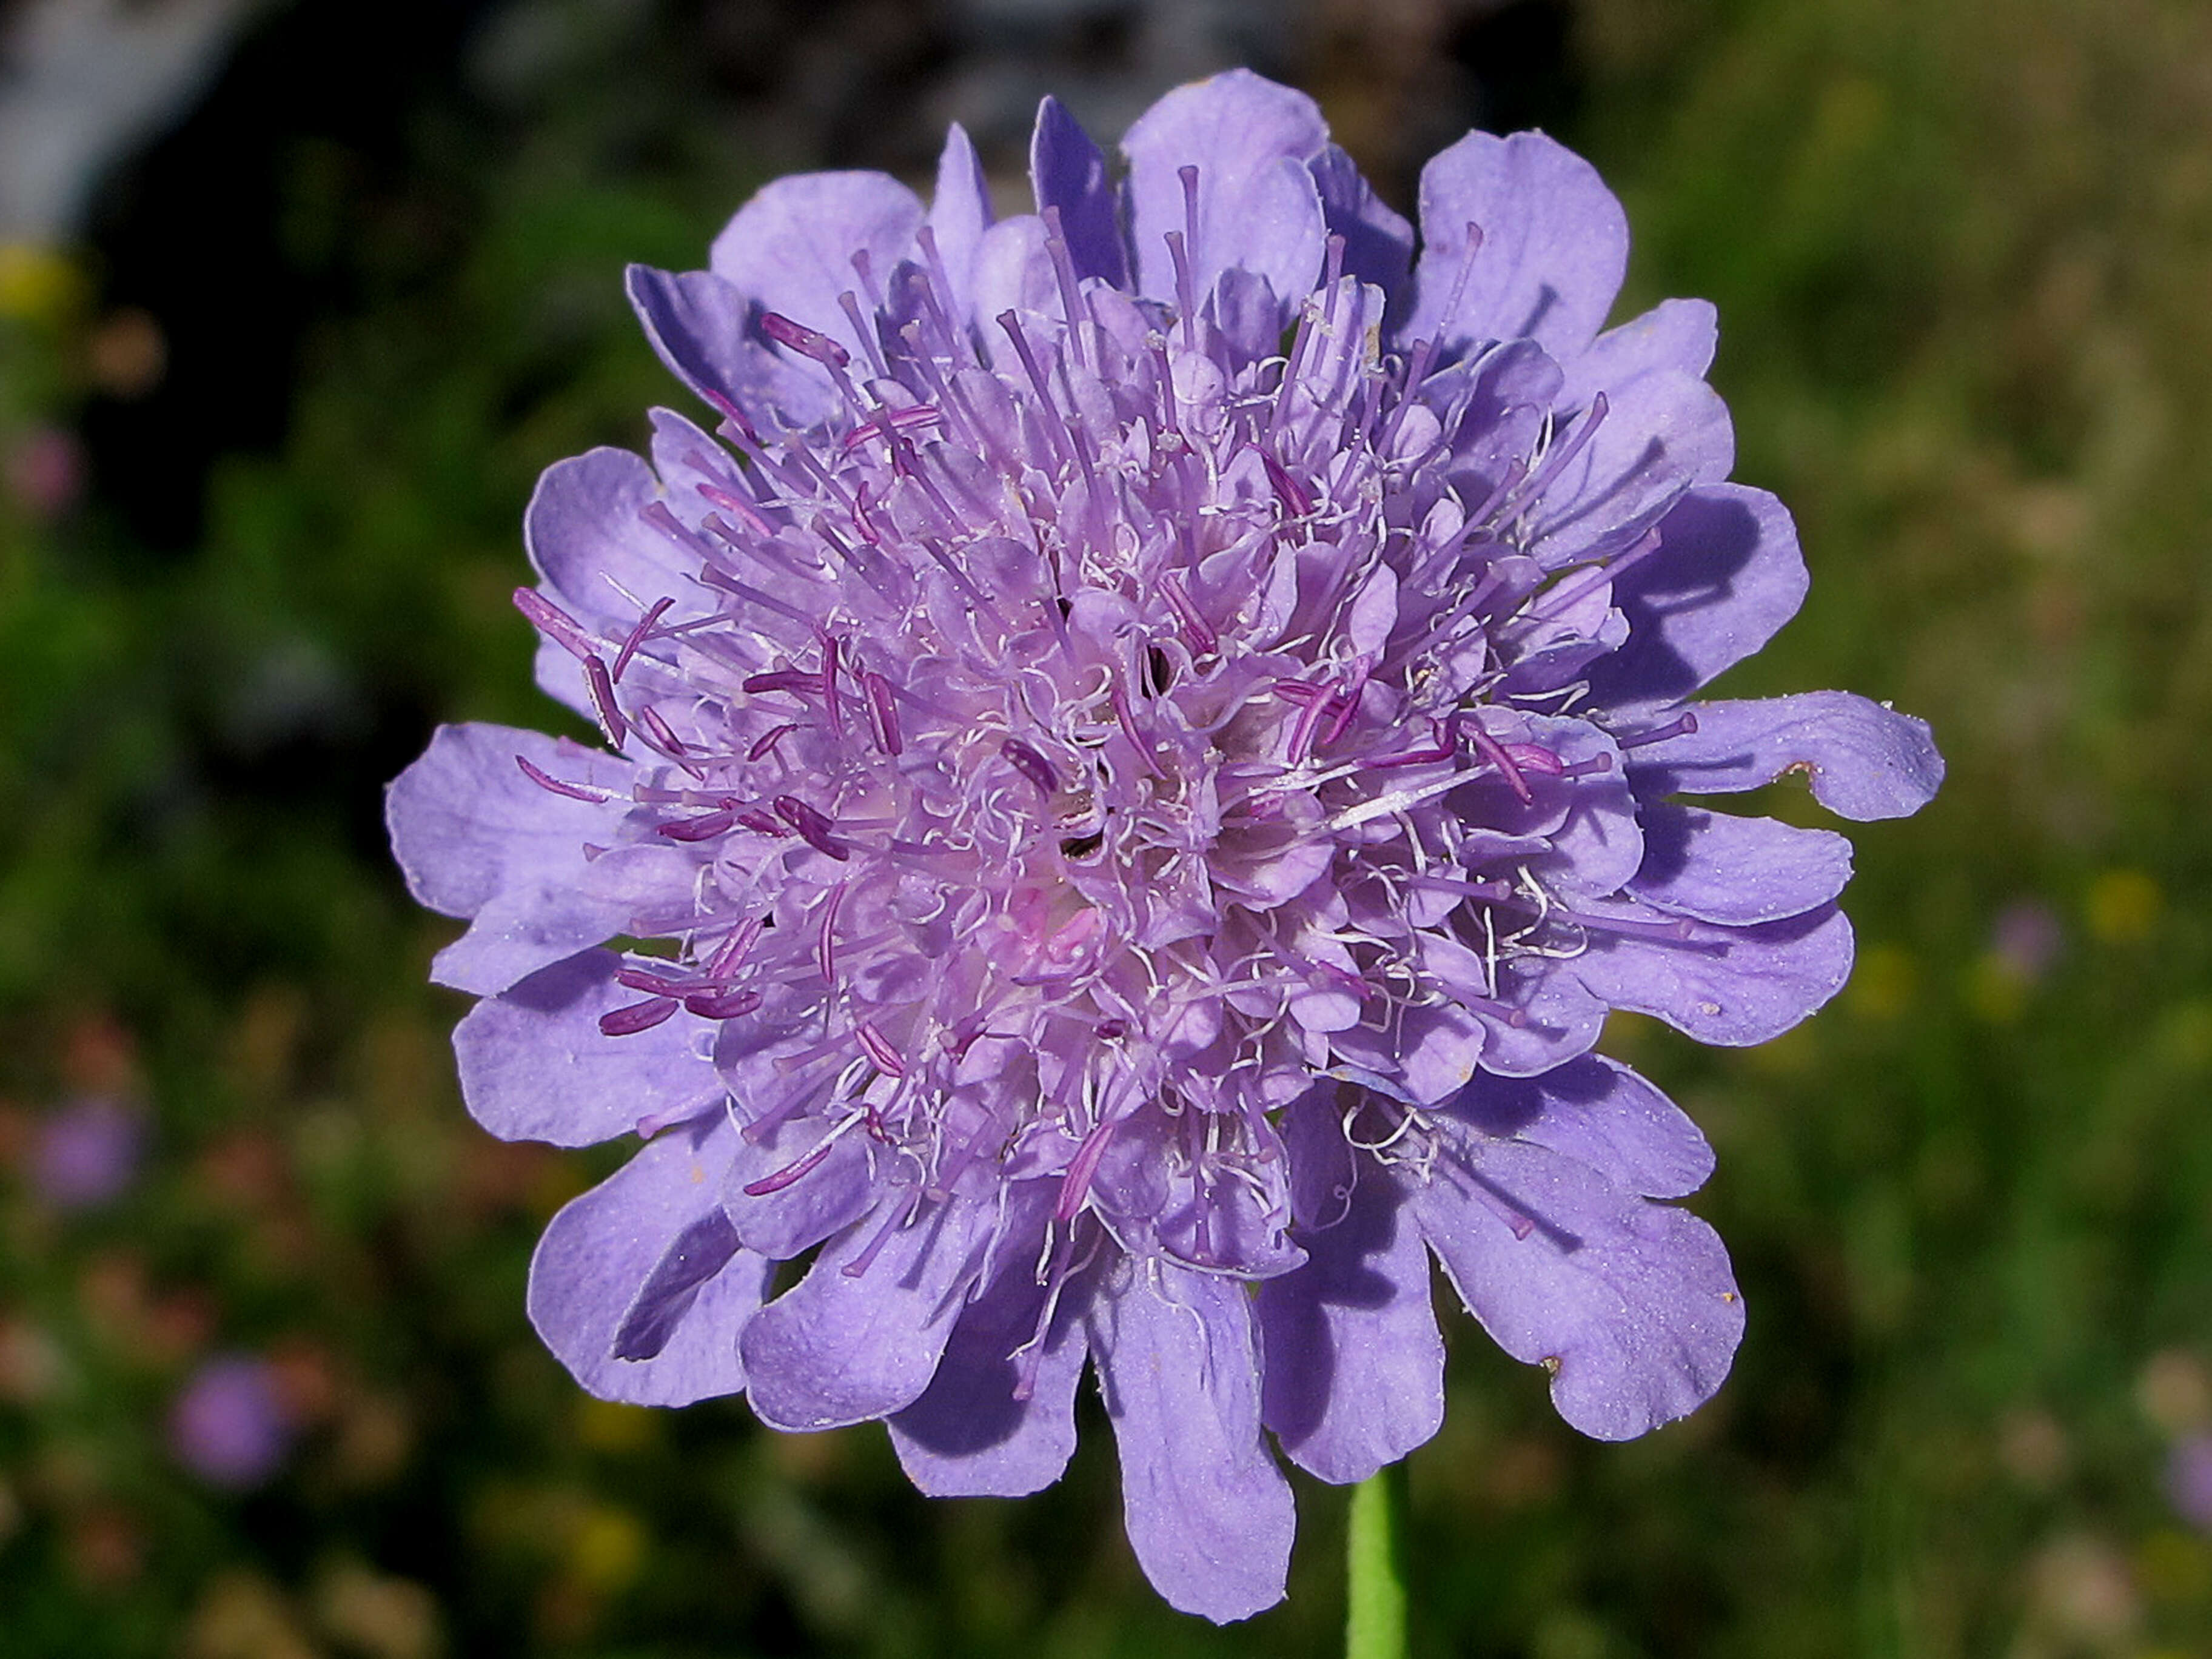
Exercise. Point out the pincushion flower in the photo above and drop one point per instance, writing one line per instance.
(1139, 755)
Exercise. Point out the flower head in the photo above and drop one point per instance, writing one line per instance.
(1141, 753)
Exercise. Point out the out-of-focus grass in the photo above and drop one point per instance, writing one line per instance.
(1961, 253)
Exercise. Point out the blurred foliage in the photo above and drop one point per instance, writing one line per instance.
(1960, 253)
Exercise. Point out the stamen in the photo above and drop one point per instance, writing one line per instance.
(829, 697)
(825, 942)
(1071, 294)
(1495, 753)
(1202, 638)
(1681, 726)
(805, 1165)
(783, 679)
(882, 712)
(601, 685)
(555, 624)
(573, 791)
(1031, 765)
(879, 1048)
(629, 1020)
(806, 342)
(1567, 592)
(1120, 699)
(862, 332)
(699, 828)
(1541, 480)
(768, 739)
(1075, 1184)
(1295, 494)
(727, 1005)
(637, 636)
(812, 827)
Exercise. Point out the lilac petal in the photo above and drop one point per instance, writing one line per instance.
(790, 250)
(1208, 1512)
(1676, 335)
(1378, 243)
(1731, 986)
(1067, 171)
(1012, 272)
(700, 1252)
(1863, 759)
(1630, 1304)
(535, 1065)
(467, 823)
(587, 537)
(1725, 869)
(1727, 575)
(1561, 1018)
(604, 1248)
(697, 323)
(547, 914)
(1554, 244)
(959, 213)
(1663, 431)
(1258, 206)
(842, 1347)
(1599, 1113)
(1354, 1362)
(968, 1435)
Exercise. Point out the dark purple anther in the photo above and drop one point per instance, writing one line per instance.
(638, 636)
(726, 1005)
(1201, 637)
(783, 679)
(1030, 764)
(784, 1176)
(881, 1055)
(633, 1017)
(1111, 1031)
(703, 827)
(768, 739)
(555, 624)
(1493, 751)
(748, 515)
(1443, 745)
(812, 827)
(754, 819)
(882, 711)
(602, 686)
(1294, 493)
(806, 342)
(573, 791)
(890, 422)
(653, 985)
(663, 736)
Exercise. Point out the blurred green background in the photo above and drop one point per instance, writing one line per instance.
(271, 404)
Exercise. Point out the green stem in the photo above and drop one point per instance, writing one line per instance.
(1374, 1624)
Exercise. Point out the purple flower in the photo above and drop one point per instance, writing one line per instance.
(88, 1153)
(2189, 1479)
(1144, 750)
(230, 1427)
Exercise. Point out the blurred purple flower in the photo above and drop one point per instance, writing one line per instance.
(2026, 939)
(88, 1153)
(1152, 759)
(2189, 1479)
(230, 1425)
(46, 471)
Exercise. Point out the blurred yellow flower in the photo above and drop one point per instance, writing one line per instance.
(38, 283)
